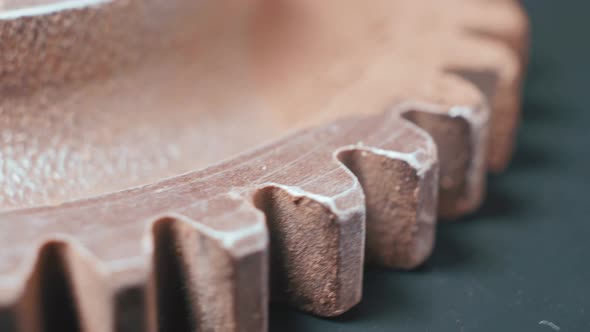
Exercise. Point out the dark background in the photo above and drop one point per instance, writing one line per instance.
(521, 263)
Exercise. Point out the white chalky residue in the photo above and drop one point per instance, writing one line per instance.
(477, 117)
(229, 237)
(327, 201)
(46, 9)
(461, 111)
(410, 158)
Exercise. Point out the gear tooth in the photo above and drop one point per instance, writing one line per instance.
(65, 290)
(456, 115)
(502, 20)
(400, 204)
(497, 72)
(230, 293)
(93, 293)
(315, 213)
(396, 165)
(316, 251)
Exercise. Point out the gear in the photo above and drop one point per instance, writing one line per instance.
(129, 187)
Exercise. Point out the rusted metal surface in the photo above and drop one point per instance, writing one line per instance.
(112, 113)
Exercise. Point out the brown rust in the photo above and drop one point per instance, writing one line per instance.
(104, 104)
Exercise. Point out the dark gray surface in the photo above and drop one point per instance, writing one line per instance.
(521, 263)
